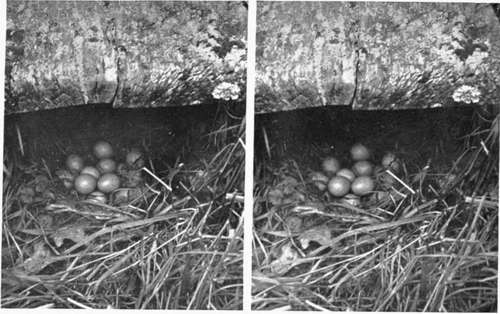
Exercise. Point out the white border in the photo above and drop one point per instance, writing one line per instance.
(3, 34)
(250, 113)
(248, 205)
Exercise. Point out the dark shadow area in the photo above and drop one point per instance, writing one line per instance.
(312, 134)
(166, 133)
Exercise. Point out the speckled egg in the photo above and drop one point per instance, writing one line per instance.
(108, 182)
(338, 186)
(330, 165)
(360, 152)
(103, 149)
(135, 158)
(97, 197)
(351, 199)
(106, 165)
(346, 173)
(363, 185)
(85, 184)
(319, 180)
(390, 161)
(74, 163)
(91, 171)
(363, 168)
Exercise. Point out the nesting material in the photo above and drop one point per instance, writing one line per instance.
(420, 236)
(140, 235)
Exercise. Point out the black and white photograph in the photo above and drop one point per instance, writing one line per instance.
(249, 156)
(376, 157)
(124, 150)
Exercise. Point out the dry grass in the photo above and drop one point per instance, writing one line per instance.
(178, 245)
(432, 250)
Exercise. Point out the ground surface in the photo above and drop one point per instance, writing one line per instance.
(428, 245)
(176, 243)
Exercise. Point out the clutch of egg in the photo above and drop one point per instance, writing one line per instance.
(103, 178)
(351, 183)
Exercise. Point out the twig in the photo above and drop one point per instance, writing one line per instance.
(400, 181)
(157, 179)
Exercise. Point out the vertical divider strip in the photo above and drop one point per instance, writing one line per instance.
(250, 111)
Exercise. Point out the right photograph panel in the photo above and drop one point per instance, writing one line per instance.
(376, 157)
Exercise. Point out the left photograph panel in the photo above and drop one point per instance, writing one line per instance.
(123, 166)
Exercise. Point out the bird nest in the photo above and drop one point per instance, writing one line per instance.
(427, 240)
(175, 243)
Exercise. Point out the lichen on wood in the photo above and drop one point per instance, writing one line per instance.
(305, 54)
(134, 54)
(376, 55)
(417, 55)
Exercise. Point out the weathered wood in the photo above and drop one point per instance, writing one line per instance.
(376, 55)
(419, 55)
(135, 54)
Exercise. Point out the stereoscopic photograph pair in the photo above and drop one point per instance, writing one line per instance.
(374, 134)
